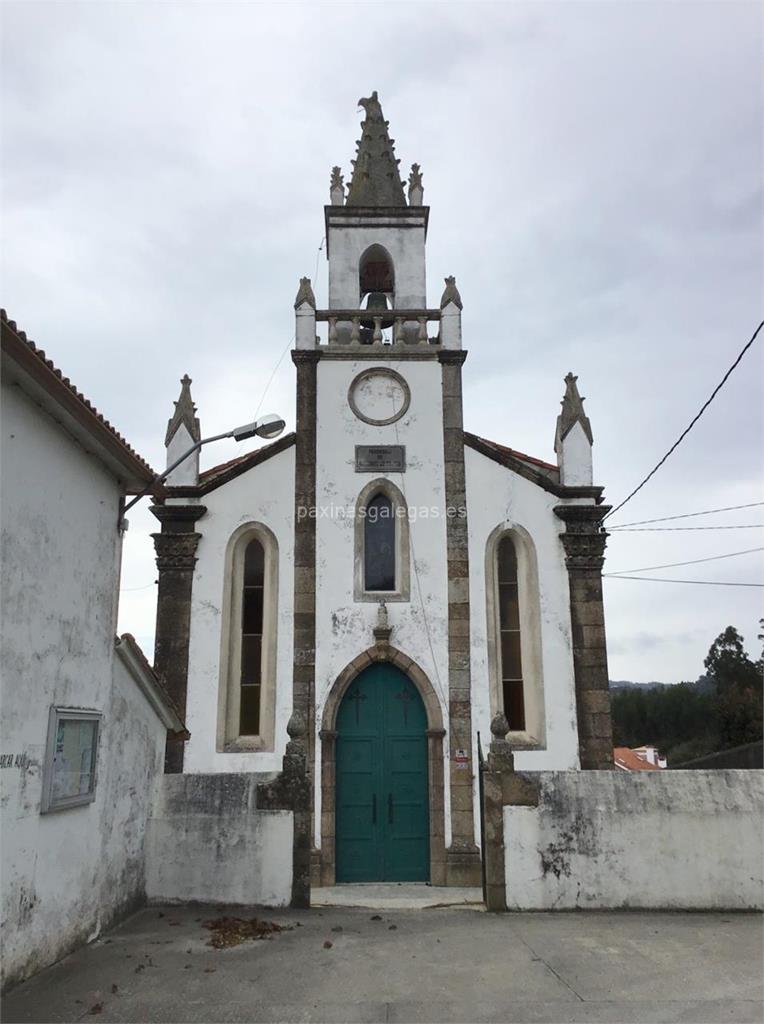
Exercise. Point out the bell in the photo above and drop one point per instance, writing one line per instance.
(377, 301)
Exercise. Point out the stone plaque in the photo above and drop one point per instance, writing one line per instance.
(382, 458)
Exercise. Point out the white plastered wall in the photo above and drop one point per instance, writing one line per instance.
(344, 627)
(406, 246)
(496, 496)
(669, 840)
(69, 873)
(262, 494)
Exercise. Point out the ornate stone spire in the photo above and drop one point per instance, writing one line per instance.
(305, 294)
(185, 413)
(572, 412)
(451, 294)
(416, 190)
(376, 179)
(337, 187)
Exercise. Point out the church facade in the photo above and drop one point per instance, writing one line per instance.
(362, 598)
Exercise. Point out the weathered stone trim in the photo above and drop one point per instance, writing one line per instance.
(584, 542)
(402, 592)
(523, 469)
(304, 661)
(324, 862)
(502, 786)
(292, 791)
(462, 858)
(176, 557)
(218, 476)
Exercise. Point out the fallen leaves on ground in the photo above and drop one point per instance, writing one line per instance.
(231, 931)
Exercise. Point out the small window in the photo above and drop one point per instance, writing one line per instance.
(509, 626)
(69, 774)
(379, 545)
(252, 599)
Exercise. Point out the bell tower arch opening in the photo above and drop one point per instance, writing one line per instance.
(376, 278)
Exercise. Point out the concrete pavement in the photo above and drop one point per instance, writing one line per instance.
(439, 964)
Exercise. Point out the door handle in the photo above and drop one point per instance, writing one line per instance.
(390, 808)
(374, 809)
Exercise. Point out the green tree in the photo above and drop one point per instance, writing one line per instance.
(739, 697)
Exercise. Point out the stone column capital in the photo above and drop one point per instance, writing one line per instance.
(176, 551)
(584, 539)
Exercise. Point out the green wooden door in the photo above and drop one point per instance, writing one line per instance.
(382, 819)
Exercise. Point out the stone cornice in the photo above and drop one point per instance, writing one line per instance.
(455, 356)
(178, 518)
(303, 356)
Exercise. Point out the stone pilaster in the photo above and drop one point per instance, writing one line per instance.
(176, 557)
(304, 667)
(291, 791)
(584, 541)
(462, 857)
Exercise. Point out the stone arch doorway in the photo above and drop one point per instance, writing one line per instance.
(434, 733)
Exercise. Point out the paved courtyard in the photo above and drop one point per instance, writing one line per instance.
(434, 964)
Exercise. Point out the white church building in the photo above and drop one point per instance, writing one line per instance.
(357, 601)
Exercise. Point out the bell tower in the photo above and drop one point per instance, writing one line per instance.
(375, 239)
(379, 418)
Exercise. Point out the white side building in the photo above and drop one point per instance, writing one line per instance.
(83, 727)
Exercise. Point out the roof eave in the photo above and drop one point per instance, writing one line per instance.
(23, 367)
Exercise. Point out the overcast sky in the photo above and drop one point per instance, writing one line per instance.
(594, 173)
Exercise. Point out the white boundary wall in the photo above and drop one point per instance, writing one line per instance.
(208, 842)
(673, 840)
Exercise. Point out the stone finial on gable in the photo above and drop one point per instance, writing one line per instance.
(572, 411)
(305, 294)
(305, 316)
(573, 438)
(416, 189)
(337, 188)
(185, 414)
(451, 294)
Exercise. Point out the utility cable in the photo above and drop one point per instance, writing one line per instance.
(441, 691)
(695, 419)
(694, 561)
(674, 529)
(686, 515)
(701, 583)
(289, 343)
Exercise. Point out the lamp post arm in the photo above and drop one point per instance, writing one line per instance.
(160, 478)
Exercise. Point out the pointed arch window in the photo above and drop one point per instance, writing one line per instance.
(246, 707)
(382, 561)
(251, 671)
(509, 628)
(514, 635)
(379, 545)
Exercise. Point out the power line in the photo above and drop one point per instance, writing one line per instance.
(686, 515)
(695, 419)
(673, 529)
(694, 561)
(700, 583)
(289, 343)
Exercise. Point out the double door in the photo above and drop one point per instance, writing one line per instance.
(382, 819)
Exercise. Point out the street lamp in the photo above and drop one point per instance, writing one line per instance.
(269, 426)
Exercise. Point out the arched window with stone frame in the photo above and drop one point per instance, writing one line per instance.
(382, 561)
(247, 691)
(514, 635)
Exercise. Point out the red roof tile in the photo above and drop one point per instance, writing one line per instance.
(630, 761)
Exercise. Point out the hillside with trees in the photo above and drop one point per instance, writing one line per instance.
(723, 708)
